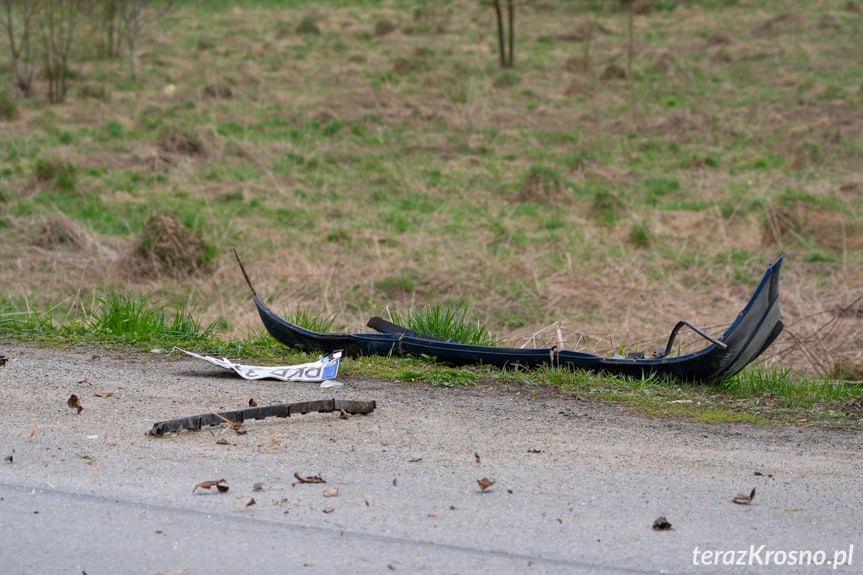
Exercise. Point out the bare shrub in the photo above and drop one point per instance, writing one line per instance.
(18, 21)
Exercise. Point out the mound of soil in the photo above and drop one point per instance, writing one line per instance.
(167, 247)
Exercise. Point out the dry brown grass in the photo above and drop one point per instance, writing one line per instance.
(518, 272)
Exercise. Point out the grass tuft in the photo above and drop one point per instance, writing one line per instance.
(448, 324)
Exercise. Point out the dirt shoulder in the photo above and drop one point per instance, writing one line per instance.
(577, 484)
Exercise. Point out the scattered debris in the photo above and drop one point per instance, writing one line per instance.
(251, 502)
(661, 524)
(8, 458)
(32, 433)
(329, 510)
(3, 360)
(485, 483)
(73, 403)
(196, 422)
(395, 481)
(309, 479)
(259, 486)
(476, 455)
(104, 393)
(331, 492)
(218, 484)
(415, 460)
(222, 441)
(252, 402)
(343, 414)
(326, 368)
(744, 499)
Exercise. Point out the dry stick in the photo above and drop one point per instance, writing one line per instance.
(532, 338)
(245, 275)
(807, 352)
(78, 291)
(833, 323)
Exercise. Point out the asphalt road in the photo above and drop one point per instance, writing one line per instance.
(577, 485)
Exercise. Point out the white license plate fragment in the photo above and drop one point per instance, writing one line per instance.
(324, 370)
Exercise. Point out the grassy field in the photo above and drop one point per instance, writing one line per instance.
(387, 161)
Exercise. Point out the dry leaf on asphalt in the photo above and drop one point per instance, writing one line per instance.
(251, 502)
(208, 484)
(661, 524)
(331, 492)
(273, 444)
(485, 483)
(221, 442)
(8, 458)
(73, 403)
(253, 403)
(309, 479)
(104, 393)
(743, 499)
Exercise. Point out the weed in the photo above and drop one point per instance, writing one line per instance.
(61, 174)
(446, 323)
(304, 318)
(307, 27)
(8, 108)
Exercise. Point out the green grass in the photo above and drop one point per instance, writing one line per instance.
(756, 395)
(406, 169)
(446, 323)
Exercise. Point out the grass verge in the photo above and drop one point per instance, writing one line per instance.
(756, 395)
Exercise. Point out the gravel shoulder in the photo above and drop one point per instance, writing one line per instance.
(577, 488)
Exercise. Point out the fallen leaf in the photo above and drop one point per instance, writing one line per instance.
(309, 479)
(8, 458)
(221, 442)
(273, 444)
(661, 524)
(222, 488)
(104, 393)
(32, 433)
(485, 483)
(802, 420)
(93, 464)
(330, 510)
(251, 502)
(240, 430)
(432, 515)
(743, 499)
(208, 484)
(253, 403)
(73, 403)
(476, 455)
(331, 492)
